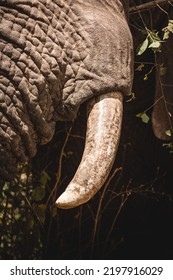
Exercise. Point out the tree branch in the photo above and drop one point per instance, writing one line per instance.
(150, 5)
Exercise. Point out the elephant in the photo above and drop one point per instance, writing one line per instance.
(130, 216)
(55, 56)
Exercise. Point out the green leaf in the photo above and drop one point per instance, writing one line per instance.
(168, 146)
(5, 187)
(168, 133)
(155, 41)
(142, 48)
(144, 117)
(145, 77)
(38, 193)
(140, 67)
(167, 30)
(155, 45)
(131, 97)
(17, 216)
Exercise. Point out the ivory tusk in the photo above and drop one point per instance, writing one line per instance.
(102, 139)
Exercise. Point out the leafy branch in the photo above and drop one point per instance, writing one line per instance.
(147, 6)
(168, 30)
(152, 41)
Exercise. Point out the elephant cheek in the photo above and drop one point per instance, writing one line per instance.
(102, 138)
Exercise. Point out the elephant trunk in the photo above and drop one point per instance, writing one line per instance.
(102, 138)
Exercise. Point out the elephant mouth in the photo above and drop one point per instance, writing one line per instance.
(102, 139)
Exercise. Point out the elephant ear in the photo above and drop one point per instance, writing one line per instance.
(163, 109)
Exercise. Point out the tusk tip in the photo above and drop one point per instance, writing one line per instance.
(73, 196)
(67, 200)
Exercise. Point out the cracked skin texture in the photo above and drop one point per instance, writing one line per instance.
(55, 55)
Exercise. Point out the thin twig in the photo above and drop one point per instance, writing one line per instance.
(77, 136)
(97, 218)
(150, 5)
(124, 198)
(58, 174)
(33, 210)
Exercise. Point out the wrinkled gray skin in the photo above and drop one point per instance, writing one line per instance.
(55, 55)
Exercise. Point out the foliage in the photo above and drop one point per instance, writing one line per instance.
(168, 133)
(152, 41)
(144, 117)
(169, 146)
(130, 97)
(22, 216)
(168, 30)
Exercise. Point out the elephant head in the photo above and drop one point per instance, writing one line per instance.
(54, 56)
